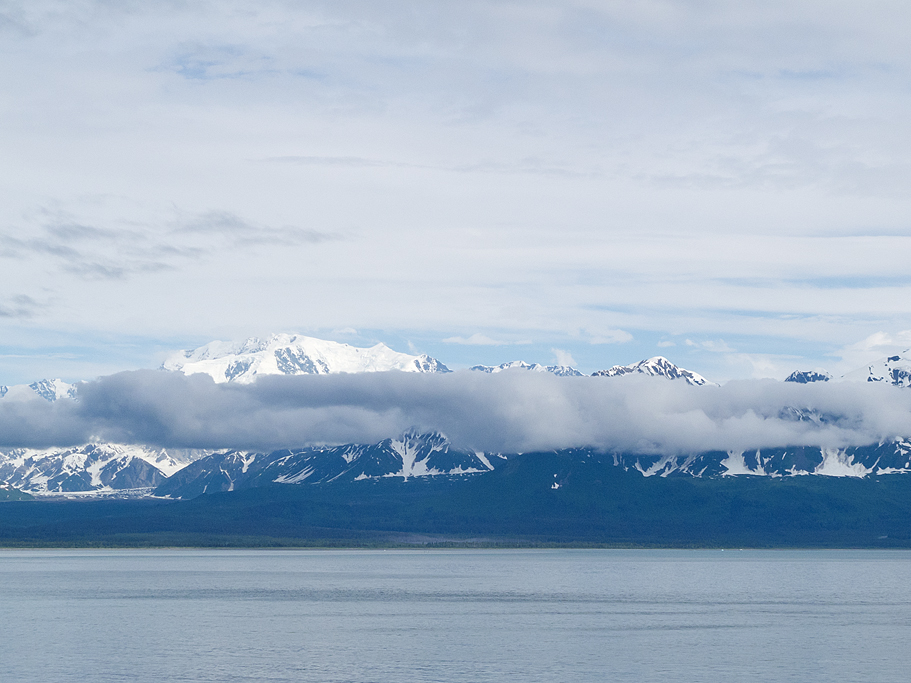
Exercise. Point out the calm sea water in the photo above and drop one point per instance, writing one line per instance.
(460, 615)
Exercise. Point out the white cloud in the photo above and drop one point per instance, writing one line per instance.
(713, 346)
(766, 366)
(666, 344)
(609, 337)
(871, 348)
(505, 412)
(563, 357)
(478, 339)
(883, 342)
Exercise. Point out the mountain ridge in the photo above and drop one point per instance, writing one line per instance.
(292, 354)
(656, 366)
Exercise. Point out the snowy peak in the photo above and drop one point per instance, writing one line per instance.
(411, 455)
(104, 467)
(659, 366)
(419, 454)
(559, 370)
(288, 354)
(894, 370)
(889, 457)
(808, 376)
(91, 468)
(53, 389)
(49, 389)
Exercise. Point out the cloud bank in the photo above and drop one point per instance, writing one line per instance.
(504, 412)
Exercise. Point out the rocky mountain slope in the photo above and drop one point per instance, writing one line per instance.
(48, 389)
(416, 455)
(658, 366)
(895, 370)
(92, 468)
(406, 457)
(559, 370)
(104, 468)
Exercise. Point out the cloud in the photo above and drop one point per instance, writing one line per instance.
(350, 162)
(665, 344)
(115, 253)
(870, 348)
(240, 232)
(883, 342)
(505, 412)
(531, 169)
(478, 339)
(563, 357)
(719, 346)
(526, 166)
(19, 306)
(217, 62)
(609, 337)
(93, 252)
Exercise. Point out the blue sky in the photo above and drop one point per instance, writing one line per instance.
(724, 184)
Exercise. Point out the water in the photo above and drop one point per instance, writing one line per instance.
(455, 615)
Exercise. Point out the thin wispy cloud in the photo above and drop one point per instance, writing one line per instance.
(479, 339)
(529, 165)
(563, 357)
(230, 227)
(19, 306)
(106, 253)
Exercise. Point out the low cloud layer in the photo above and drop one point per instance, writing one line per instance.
(505, 412)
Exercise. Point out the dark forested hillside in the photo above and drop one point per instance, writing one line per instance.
(537, 498)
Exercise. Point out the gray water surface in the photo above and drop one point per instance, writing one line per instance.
(455, 615)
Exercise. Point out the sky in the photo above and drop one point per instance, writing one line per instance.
(589, 183)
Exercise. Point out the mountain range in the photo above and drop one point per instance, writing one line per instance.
(124, 469)
(107, 469)
(292, 354)
(431, 455)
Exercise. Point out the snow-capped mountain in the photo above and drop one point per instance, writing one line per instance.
(891, 457)
(96, 468)
(808, 376)
(408, 456)
(48, 389)
(559, 370)
(418, 456)
(288, 354)
(108, 469)
(659, 366)
(895, 370)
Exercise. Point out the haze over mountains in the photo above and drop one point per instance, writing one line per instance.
(813, 437)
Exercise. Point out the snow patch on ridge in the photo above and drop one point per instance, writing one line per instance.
(836, 463)
(735, 465)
